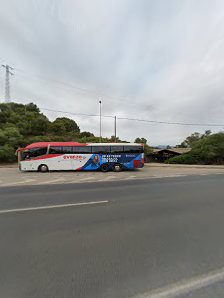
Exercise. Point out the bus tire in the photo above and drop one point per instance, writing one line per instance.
(117, 167)
(104, 168)
(43, 168)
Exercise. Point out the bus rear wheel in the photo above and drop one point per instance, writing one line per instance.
(104, 168)
(117, 167)
(43, 168)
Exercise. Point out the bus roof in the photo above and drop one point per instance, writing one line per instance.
(114, 144)
(60, 144)
(45, 144)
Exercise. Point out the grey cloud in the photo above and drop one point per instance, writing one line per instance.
(160, 60)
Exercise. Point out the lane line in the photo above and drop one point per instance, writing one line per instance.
(52, 207)
(186, 286)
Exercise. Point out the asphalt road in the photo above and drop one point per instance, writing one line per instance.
(145, 238)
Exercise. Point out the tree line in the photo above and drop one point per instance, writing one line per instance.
(207, 148)
(22, 124)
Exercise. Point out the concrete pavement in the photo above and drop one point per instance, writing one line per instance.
(146, 236)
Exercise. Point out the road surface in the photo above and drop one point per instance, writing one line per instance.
(145, 238)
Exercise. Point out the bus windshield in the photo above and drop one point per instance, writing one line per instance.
(32, 153)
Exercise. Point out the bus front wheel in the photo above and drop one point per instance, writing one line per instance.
(43, 168)
(117, 167)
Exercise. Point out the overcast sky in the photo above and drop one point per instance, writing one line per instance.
(158, 60)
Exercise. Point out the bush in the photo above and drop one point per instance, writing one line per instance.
(208, 150)
(7, 154)
(183, 159)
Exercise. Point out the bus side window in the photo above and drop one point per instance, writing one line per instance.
(100, 149)
(133, 149)
(67, 150)
(81, 149)
(117, 149)
(55, 150)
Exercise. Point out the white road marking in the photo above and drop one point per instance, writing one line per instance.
(52, 207)
(186, 286)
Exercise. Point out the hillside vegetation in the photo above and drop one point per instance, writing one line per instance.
(21, 125)
(206, 149)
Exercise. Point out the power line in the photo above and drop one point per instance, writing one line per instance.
(76, 114)
(94, 115)
(71, 86)
(117, 99)
(172, 123)
(138, 120)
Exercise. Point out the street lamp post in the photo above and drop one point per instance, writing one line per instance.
(115, 128)
(100, 102)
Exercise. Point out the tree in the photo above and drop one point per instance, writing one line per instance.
(31, 107)
(61, 126)
(207, 132)
(208, 150)
(7, 153)
(10, 135)
(27, 118)
(113, 139)
(86, 134)
(191, 140)
(147, 149)
(140, 141)
(21, 125)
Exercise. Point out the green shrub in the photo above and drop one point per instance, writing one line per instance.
(7, 153)
(208, 150)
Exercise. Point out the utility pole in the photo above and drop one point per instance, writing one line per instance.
(100, 102)
(115, 128)
(7, 82)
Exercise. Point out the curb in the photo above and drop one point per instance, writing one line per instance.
(154, 165)
(7, 166)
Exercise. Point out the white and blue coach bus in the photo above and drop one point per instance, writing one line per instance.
(53, 156)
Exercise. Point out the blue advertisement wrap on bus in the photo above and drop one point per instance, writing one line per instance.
(128, 161)
(58, 156)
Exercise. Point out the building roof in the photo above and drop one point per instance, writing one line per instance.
(175, 150)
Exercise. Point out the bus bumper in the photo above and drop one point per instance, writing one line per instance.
(138, 164)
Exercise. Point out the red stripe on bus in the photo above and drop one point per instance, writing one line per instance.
(56, 144)
(79, 169)
(44, 157)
